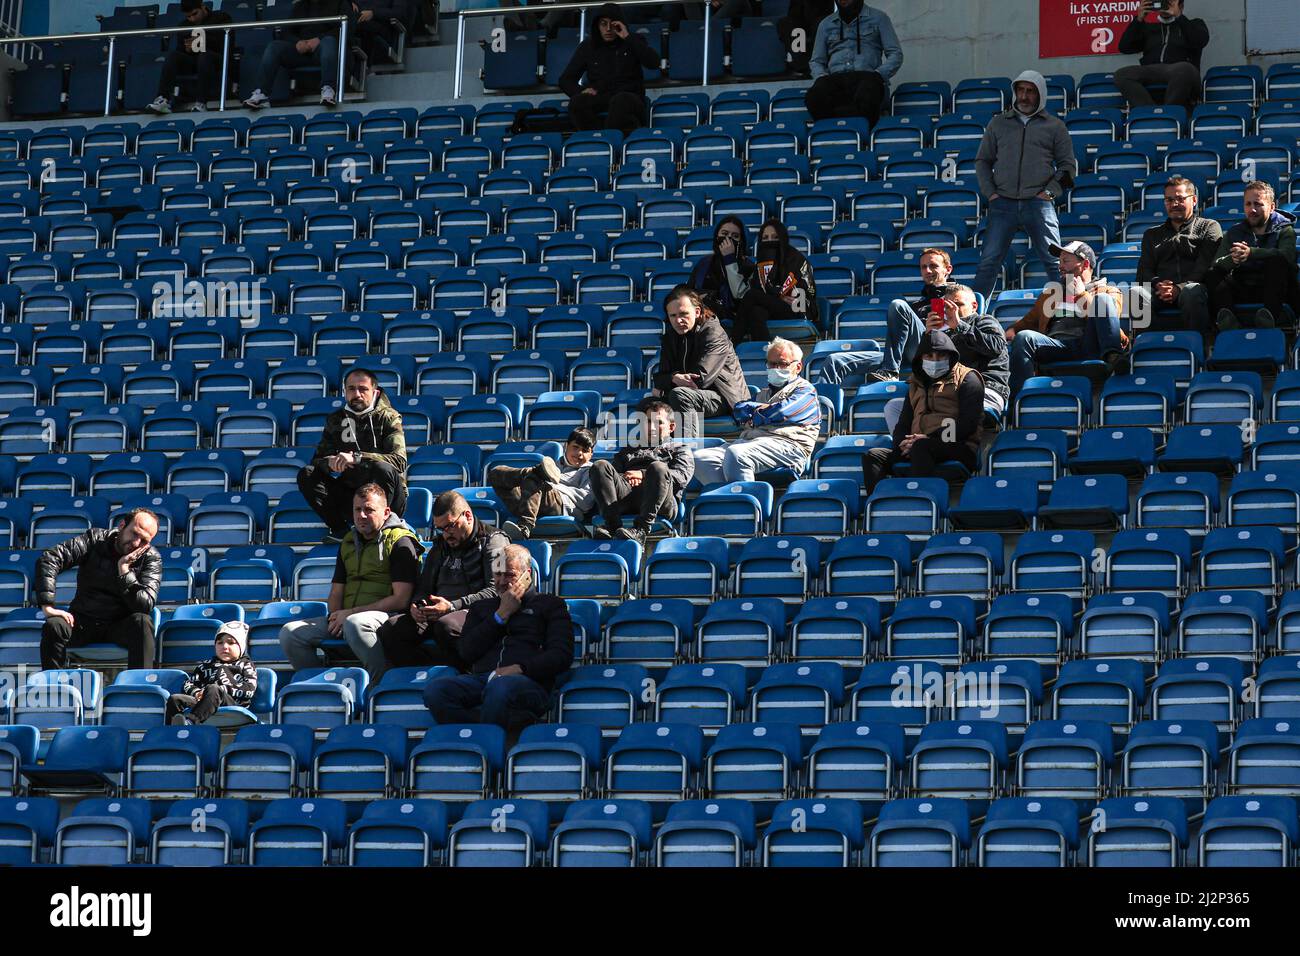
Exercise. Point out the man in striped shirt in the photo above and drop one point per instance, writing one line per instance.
(778, 430)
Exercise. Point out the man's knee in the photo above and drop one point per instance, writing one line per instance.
(604, 468)
(435, 695)
(140, 621)
(683, 399)
(1125, 73)
(657, 468)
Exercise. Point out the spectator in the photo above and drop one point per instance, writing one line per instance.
(644, 479)
(782, 289)
(778, 430)
(612, 59)
(798, 29)
(374, 576)
(1256, 262)
(547, 488)
(1072, 322)
(1171, 54)
(853, 58)
(722, 278)
(904, 329)
(118, 574)
(362, 442)
(229, 679)
(206, 63)
(311, 44)
(1025, 162)
(699, 374)
(1178, 254)
(942, 419)
(515, 643)
(457, 574)
(377, 28)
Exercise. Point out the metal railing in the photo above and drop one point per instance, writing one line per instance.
(225, 29)
(582, 8)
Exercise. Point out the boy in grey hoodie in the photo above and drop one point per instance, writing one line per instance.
(855, 54)
(1025, 162)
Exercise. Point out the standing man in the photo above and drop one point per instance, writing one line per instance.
(362, 442)
(612, 58)
(1171, 54)
(644, 479)
(1178, 254)
(374, 577)
(118, 573)
(1256, 262)
(855, 54)
(205, 62)
(1025, 162)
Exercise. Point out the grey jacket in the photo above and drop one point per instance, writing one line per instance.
(1018, 160)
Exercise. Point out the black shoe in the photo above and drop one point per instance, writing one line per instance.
(632, 534)
(516, 532)
(1226, 320)
(602, 533)
(1264, 320)
(1116, 362)
(180, 720)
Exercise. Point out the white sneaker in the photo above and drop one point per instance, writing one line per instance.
(160, 105)
(257, 100)
(198, 106)
(327, 97)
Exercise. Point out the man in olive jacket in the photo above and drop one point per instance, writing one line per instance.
(699, 373)
(362, 442)
(118, 573)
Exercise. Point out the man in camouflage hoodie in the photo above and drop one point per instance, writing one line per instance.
(363, 442)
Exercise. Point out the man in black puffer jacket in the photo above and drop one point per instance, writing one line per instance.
(118, 574)
(612, 58)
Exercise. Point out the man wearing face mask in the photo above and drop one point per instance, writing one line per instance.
(699, 373)
(612, 58)
(778, 430)
(942, 418)
(1171, 54)
(362, 442)
(1077, 320)
(855, 54)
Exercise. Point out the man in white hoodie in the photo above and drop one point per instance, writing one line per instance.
(1025, 163)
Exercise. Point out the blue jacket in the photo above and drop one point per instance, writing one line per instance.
(868, 43)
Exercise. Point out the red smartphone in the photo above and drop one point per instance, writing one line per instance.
(936, 306)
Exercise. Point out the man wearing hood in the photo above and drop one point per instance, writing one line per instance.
(1025, 162)
(612, 58)
(362, 442)
(722, 278)
(779, 429)
(1178, 254)
(1256, 262)
(1171, 54)
(374, 577)
(699, 374)
(855, 54)
(941, 420)
(782, 288)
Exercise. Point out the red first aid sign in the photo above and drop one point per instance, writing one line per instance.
(1083, 27)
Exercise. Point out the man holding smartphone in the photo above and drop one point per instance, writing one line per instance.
(612, 59)
(1171, 48)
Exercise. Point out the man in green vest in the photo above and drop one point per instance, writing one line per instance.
(374, 577)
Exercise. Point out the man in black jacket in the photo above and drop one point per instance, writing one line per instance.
(457, 574)
(612, 58)
(118, 574)
(310, 44)
(190, 53)
(644, 479)
(803, 15)
(377, 28)
(1171, 54)
(515, 644)
(699, 373)
(1178, 254)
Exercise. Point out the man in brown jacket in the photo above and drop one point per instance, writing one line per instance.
(1072, 322)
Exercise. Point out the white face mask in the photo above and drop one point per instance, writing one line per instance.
(779, 376)
(935, 369)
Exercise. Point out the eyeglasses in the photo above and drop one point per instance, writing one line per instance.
(781, 364)
(1178, 200)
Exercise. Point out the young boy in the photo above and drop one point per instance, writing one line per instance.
(549, 488)
(228, 679)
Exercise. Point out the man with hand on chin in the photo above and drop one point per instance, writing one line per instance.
(612, 59)
(515, 645)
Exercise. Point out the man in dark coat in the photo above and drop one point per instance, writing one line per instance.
(612, 58)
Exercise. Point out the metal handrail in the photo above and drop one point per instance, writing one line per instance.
(225, 28)
(582, 8)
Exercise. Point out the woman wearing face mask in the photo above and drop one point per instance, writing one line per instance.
(942, 419)
(782, 289)
(722, 278)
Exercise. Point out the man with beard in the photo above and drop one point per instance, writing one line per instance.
(362, 442)
(1256, 262)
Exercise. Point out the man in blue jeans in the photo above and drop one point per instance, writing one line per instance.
(515, 644)
(309, 44)
(1025, 162)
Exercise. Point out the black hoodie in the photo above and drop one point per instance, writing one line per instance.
(785, 270)
(1180, 41)
(970, 396)
(613, 67)
(710, 274)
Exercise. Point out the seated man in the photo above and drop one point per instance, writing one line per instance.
(1071, 323)
(942, 419)
(1178, 254)
(206, 62)
(699, 374)
(1256, 262)
(376, 29)
(118, 573)
(1171, 50)
(374, 577)
(612, 58)
(457, 574)
(855, 53)
(644, 479)
(310, 44)
(905, 328)
(547, 489)
(779, 430)
(362, 442)
(515, 644)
